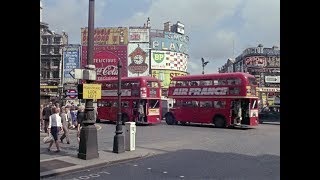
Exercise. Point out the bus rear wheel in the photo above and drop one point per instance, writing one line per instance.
(219, 122)
(169, 119)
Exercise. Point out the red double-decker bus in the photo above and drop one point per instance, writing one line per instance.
(214, 99)
(136, 92)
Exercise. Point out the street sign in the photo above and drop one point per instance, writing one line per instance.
(91, 91)
(72, 93)
(86, 74)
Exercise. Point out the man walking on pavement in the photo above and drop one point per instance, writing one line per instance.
(46, 114)
(64, 121)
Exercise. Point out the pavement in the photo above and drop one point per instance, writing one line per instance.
(54, 165)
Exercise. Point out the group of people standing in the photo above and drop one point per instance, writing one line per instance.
(54, 119)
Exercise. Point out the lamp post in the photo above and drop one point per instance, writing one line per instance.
(204, 63)
(88, 146)
(118, 140)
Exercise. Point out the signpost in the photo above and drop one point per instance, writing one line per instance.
(91, 91)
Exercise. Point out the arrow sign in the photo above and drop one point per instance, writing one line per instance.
(72, 73)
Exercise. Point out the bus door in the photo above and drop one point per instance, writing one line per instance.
(253, 112)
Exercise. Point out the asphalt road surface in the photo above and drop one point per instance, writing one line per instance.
(195, 152)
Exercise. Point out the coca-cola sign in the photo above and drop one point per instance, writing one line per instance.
(106, 59)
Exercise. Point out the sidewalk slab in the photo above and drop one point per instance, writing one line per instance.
(67, 164)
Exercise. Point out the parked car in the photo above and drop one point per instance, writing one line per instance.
(270, 113)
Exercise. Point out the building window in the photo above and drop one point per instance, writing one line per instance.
(45, 50)
(56, 63)
(56, 50)
(55, 74)
(57, 40)
(44, 40)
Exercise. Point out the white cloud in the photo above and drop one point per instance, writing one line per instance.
(194, 13)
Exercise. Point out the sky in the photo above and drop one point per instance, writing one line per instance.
(217, 29)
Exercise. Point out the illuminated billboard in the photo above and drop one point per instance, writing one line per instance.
(105, 59)
(171, 42)
(138, 59)
(106, 36)
(165, 76)
(169, 60)
(138, 35)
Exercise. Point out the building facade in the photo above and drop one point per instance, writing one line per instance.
(264, 64)
(143, 51)
(51, 45)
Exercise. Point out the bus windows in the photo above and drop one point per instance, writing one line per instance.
(190, 104)
(153, 103)
(219, 104)
(194, 83)
(152, 84)
(135, 103)
(205, 104)
(222, 82)
(125, 104)
(206, 83)
(215, 82)
(234, 90)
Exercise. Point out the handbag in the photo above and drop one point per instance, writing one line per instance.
(48, 139)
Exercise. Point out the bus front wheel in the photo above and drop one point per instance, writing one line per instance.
(169, 119)
(219, 122)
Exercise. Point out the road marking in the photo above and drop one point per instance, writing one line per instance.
(165, 172)
(181, 176)
(135, 165)
(148, 168)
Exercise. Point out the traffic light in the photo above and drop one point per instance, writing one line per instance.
(80, 91)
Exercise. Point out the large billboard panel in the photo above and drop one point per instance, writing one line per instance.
(71, 60)
(169, 60)
(106, 36)
(106, 59)
(138, 59)
(138, 35)
(165, 76)
(171, 42)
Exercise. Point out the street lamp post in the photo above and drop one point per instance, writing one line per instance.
(88, 146)
(118, 140)
(204, 63)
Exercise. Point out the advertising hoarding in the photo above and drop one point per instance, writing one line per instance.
(171, 42)
(106, 59)
(71, 60)
(138, 35)
(272, 79)
(169, 60)
(138, 59)
(165, 76)
(106, 36)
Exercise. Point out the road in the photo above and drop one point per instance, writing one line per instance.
(194, 152)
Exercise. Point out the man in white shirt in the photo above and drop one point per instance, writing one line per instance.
(54, 127)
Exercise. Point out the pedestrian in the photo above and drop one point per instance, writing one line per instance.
(69, 119)
(41, 117)
(73, 113)
(80, 119)
(46, 113)
(64, 122)
(54, 127)
(141, 110)
(238, 111)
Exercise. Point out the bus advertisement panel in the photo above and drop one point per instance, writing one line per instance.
(140, 100)
(226, 99)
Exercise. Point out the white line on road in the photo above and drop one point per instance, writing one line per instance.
(149, 168)
(165, 172)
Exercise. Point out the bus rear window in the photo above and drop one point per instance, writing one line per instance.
(152, 84)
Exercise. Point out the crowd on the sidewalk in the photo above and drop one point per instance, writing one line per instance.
(56, 120)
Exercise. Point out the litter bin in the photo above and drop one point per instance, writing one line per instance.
(130, 136)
